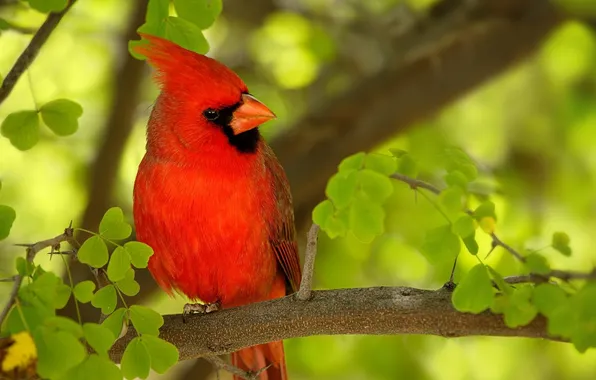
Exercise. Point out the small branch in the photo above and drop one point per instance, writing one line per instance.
(499, 243)
(305, 290)
(369, 311)
(555, 273)
(32, 250)
(222, 364)
(31, 51)
(416, 184)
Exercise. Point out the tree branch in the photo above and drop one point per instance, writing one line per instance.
(305, 290)
(31, 51)
(370, 311)
(436, 63)
(32, 250)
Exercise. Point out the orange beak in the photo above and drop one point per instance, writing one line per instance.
(250, 114)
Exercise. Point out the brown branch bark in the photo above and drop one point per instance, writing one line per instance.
(30, 53)
(450, 56)
(371, 311)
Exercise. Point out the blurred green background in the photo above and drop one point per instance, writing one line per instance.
(531, 129)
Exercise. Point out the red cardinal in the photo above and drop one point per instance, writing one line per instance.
(210, 196)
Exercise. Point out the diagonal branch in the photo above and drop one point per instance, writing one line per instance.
(32, 250)
(31, 51)
(370, 311)
(438, 62)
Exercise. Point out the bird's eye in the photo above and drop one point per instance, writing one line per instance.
(211, 114)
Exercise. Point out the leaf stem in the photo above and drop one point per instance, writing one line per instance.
(76, 302)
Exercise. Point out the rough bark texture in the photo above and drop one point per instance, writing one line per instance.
(371, 311)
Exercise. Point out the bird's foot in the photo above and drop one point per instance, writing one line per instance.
(199, 308)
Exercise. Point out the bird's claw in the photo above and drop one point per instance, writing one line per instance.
(199, 308)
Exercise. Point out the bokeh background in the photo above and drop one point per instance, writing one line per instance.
(513, 83)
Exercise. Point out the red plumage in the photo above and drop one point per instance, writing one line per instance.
(210, 196)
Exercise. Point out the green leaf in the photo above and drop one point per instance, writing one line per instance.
(464, 226)
(520, 311)
(136, 361)
(105, 298)
(380, 163)
(24, 267)
(186, 34)
(406, 165)
(584, 302)
(33, 314)
(458, 160)
(475, 292)
(128, 285)
(145, 320)
(536, 263)
(202, 13)
(157, 12)
(119, 264)
(22, 129)
(440, 244)
(57, 323)
(7, 217)
(114, 322)
(63, 292)
(375, 186)
(4, 25)
(139, 253)
(560, 242)
(163, 354)
(50, 289)
(548, 298)
(456, 178)
(113, 226)
(322, 212)
(47, 6)
(452, 200)
(486, 209)
(94, 368)
(500, 281)
(337, 225)
(61, 116)
(83, 291)
(58, 351)
(562, 321)
(471, 244)
(341, 188)
(99, 338)
(367, 219)
(93, 252)
(353, 162)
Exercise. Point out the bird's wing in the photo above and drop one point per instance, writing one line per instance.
(283, 233)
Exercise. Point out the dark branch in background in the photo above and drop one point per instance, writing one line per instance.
(32, 250)
(369, 311)
(31, 51)
(440, 61)
(104, 170)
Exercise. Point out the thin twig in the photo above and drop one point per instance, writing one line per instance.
(222, 364)
(499, 243)
(31, 51)
(32, 250)
(555, 273)
(416, 183)
(304, 293)
(419, 184)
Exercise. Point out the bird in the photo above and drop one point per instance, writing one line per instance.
(210, 196)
